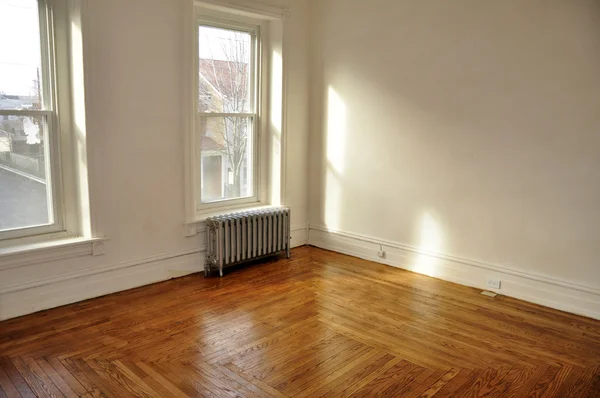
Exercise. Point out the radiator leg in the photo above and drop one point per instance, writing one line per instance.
(287, 249)
(221, 269)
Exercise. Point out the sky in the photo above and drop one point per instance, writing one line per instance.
(211, 41)
(19, 46)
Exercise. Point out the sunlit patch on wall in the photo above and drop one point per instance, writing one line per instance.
(276, 90)
(276, 124)
(336, 137)
(431, 241)
(333, 199)
(336, 130)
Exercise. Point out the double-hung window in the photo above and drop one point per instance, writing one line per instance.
(226, 126)
(30, 185)
(235, 124)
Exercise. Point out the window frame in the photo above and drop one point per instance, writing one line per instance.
(52, 131)
(256, 29)
(272, 119)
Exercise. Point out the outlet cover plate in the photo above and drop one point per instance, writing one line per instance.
(493, 283)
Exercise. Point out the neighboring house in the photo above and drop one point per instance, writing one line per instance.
(4, 141)
(220, 91)
(21, 144)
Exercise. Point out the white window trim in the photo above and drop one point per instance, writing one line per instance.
(74, 235)
(42, 252)
(51, 131)
(271, 159)
(205, 17)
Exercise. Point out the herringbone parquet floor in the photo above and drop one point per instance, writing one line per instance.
(320, 324)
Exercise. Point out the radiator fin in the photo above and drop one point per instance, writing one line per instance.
(238, 237)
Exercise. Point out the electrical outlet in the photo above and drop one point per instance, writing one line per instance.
(494, 283)
(381, 254)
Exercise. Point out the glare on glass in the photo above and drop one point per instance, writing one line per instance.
(20, 59)
(24, 186)
(225, 89)
(224, 71)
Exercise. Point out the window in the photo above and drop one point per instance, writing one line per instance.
(30, 198)
(235, 124)
(227, 118)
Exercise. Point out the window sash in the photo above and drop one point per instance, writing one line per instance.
(254, 31)
(200, 205)
(51, 132)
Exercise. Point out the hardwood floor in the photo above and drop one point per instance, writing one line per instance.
(320, 324)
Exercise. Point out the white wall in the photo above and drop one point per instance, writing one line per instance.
(462, 135)
(464, 129)
(133, 61)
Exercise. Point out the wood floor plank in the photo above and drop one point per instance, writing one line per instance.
(121, 379)
(319, 324)
(257, 382)
(584, 384)
(354, 375)
(16, 378)
(216, 381)
(58, 381)
(393, 382)
(73, 383)
(362, 383)
(7, 386)
(364, 357)
(161, 380)
(593, 390)
(41, 385)
(434, 384)
(83, 376)
(177, 380)
(458, 381)
(486, 382)
(315, 370)
(530, 382)
(514, 378)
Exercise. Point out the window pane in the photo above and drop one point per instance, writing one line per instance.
(20, 66)
(23, 184)
(226, 147)
(225, 71)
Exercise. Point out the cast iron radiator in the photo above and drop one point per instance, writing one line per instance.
(239, 237)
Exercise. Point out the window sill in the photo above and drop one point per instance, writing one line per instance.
(35, 253)
(192, 228)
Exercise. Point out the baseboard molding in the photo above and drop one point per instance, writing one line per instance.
(44, 294)
(299, 235)
(546, 291)
(41, 294)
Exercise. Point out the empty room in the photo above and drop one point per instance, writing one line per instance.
(299, 198)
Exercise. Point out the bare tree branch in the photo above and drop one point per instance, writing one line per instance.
(230, 77)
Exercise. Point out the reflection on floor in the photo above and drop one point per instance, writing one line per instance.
(320, 324)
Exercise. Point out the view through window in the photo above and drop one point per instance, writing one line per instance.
(25, 193)
(226, 114)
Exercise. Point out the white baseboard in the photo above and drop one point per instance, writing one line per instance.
(546, 291)
(299, 235)
(45, 294)
(41, 294)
